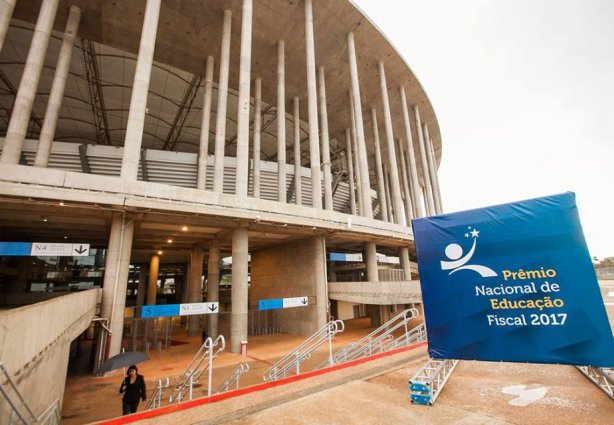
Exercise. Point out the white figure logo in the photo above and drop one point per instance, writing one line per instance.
(459, 262)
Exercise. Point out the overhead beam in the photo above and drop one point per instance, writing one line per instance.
(92, 76)
(182, 112)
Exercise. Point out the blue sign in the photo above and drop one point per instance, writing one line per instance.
(15, 248)
(512, 282)
(163, 310)
(271, 304)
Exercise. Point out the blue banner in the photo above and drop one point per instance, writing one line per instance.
(162, 310)
(271, 304)
(512, 282)
(15, 248)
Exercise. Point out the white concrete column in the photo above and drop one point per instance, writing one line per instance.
(140, 87)
(405, 181)
(298, 189)
(413, 170)
(195, 289)
(185, 288)
(115, 283)
(381, 189)
(388, 195)
(142, 287)
(57, 88)
(430, 156)
(328, 181)
(392, 158)
(6, 12)
(348, 151)
(238, 317)
(242, 170)
(222, 103)
(425, 167)
(321, 282)
(312, 104)
(213, 284)
(355, 163)
(22, 106)
(152, 283)
(257, 130)
(365, 189)
(371, 260)
(405, 264)
(281, 123)
(203, 152)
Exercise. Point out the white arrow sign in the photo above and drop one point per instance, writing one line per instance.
(45, 249)
(198, 308)
(295, 302)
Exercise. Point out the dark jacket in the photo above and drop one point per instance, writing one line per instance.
(133, 392)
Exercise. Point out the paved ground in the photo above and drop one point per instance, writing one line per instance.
(371, 393)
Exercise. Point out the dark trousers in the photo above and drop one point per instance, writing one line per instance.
(129, 407)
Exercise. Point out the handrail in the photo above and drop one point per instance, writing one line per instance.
(414, 336)
(196, 368)
(7, 381)
(156, 398)
(373, 342)
(291, 361)
(50, 416)
(233, 378)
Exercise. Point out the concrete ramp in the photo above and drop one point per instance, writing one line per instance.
(35, 343)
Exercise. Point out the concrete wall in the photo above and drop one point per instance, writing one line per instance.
(290, 270)
(35, 342)
(345, 310)
(378, 293)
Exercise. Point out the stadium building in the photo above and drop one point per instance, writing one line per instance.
(185, 151)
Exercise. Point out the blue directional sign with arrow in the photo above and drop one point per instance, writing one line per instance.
(277, 303)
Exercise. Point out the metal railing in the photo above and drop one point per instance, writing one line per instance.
(391, 275)
(208, 351)
(149, 333)
(291, 362)
(14, 409)
(414, 336)
(233, 378)
(381, 339)
(155, 400)
(427, 383)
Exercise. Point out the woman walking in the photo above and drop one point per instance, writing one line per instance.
(133, 387)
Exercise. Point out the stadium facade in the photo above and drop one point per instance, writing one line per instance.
(287, 136)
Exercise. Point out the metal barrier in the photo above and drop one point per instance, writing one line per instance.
(603, 377)
(291, 362)
(233, 378)
(15, 410)
(381, 339)
(427, 383)
(149, 333)
(197, 367)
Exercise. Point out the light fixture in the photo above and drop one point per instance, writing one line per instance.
(61, 203)
(45, 219)
(159, 252)
(184, 228)
(65, 237)
(169, 241)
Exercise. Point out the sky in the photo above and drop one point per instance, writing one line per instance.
(524, 94)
